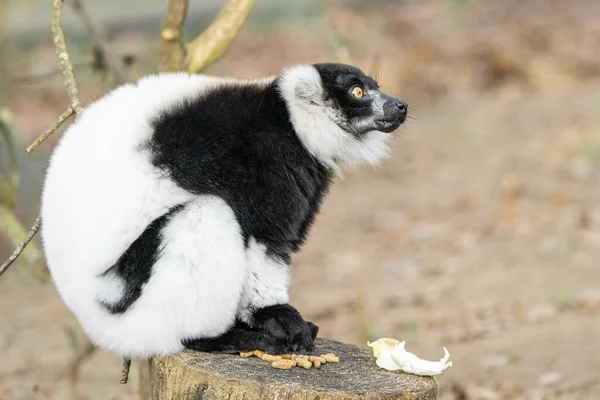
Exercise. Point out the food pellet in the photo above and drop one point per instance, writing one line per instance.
(289, 361)
(304, 363)
(283, 364)
(330, 357)
(270, 357)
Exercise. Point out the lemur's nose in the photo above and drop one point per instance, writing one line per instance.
(402, 106)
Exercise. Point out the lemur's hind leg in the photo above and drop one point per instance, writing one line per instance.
(240, 338)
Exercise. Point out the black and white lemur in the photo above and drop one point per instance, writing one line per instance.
(172, 206)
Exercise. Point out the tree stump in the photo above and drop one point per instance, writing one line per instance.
(212, 376)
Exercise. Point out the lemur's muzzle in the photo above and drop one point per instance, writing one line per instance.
(394, 114)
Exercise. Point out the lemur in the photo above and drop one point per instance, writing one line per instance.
(171, 207)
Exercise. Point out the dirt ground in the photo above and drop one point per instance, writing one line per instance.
(480, 233)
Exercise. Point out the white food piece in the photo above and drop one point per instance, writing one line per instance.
(382, 349)
(392, 356)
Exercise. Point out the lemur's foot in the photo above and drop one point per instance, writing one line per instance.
(285, 323)
(237, 339)
(275, 330)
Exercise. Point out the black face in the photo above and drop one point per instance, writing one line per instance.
(362, 105)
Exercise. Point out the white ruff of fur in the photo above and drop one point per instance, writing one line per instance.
(314, 122)
(100, 194)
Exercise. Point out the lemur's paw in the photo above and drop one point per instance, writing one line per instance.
(286, 324)
(304, 340)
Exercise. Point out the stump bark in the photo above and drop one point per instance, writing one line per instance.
(211, 376)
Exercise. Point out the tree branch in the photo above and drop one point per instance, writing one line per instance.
(212, 43)
(61, 119)
(21, 246)
(112, 61)
(172, 56)
(63, 57)
(206, 48)
(125, 371)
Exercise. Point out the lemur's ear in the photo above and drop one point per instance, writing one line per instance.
(307, 89)
(301, 82)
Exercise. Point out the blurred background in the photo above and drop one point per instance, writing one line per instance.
(481, 233)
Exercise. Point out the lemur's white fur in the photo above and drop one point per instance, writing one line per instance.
(101, 192)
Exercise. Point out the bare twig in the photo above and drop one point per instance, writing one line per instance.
(20, 247)
(13, 229)
(61, 119)
(212, 43)
(113, 62)
(172, 51)
(125, 371)
(63, 57)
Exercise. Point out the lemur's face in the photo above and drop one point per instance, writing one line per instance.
(357, 105)
(339, 112)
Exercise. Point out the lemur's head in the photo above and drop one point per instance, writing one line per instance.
(339, 112)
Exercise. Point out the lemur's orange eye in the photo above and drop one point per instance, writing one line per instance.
(357, 92)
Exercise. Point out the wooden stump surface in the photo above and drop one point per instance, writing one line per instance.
(194, 375)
